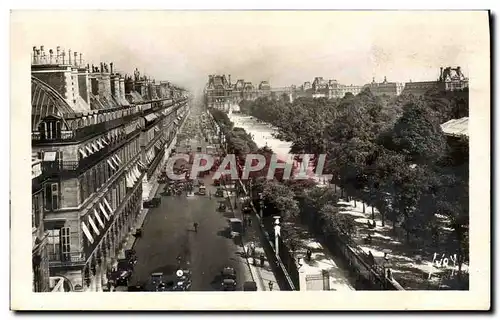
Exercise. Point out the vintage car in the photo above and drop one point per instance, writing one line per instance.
(202, 190)
(154, 282)
(228, 273)
(250, 286)
(219, 193)
(153, 203)
(228, 285)
(235, 227)
(131, 256)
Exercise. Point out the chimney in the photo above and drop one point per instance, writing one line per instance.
(229, 78)
(58, 53)
(111, 67)
(122, 89)
(76, 60)
(69, 56)
(441, 74)
(84, 84)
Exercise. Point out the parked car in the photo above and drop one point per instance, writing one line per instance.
(249, 286)
(155, 279)
(228, 285)
(228, 273)
(131, 256)
(202, 190)
(235, 227)
(153, 203)
(219, 193)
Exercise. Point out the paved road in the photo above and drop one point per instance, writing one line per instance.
(168, 232)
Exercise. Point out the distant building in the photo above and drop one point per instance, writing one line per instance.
(450, 79)
(390, 89)
(219, 92)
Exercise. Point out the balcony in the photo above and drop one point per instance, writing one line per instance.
(72, 169)
(154, 164)
(84, 132)
(67, 259)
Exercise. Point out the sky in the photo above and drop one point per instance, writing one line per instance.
(282, 47)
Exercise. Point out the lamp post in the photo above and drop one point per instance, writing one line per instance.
(277, 234)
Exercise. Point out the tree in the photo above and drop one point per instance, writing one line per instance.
(418, 135)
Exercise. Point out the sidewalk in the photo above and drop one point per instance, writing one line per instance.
(261, 275)
(321, 260)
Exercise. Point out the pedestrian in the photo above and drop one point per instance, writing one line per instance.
(309, 254)
(270, 284)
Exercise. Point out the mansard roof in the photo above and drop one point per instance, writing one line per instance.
(45, 101)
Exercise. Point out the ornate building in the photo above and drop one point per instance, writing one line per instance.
(99, 139)
(450, 79)
(220, 93)
(390, 89)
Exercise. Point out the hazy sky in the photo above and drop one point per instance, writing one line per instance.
(281, 47)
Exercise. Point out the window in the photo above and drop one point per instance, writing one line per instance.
(36, 210)
(53, 244)
(52, 196)
(65, 241)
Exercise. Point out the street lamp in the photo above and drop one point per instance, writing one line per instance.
(277, 234)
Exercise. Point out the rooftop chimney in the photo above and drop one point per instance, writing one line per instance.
(69, 56)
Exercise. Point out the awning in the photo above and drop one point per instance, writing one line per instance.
(94, 145)
(130, 183)
(156, 129)
(176, 122)
(108, 206)
(130, 129)
(137, 172)
(111, 164)
(87, 233)
(150, 117)
(115, 161)
(94, 227)
(179, 118)
(99, 142)
(142, 165)
(105, 141)
(103, 211)
(134, 174)
(158, 144)
(98, 218)
(82, 152)
(118, 158)
(89, 150)
(49, 156)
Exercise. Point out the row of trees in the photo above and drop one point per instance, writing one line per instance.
(388, 152)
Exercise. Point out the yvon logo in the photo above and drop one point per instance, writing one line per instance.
(446, 262)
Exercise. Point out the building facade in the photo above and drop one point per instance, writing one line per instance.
(100, 139)
(390, 89)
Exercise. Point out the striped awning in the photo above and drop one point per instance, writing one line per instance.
(104, 140)
(156, 129)
(89, 149)
(158, 144)
(130, 182)
(82, 152)
(92, 224)
(100, 143)
(111, 164)
(117, 164)
(87, 233)
(103, 211)
(118, 159)
(95, 146)
(137, 172)
(98, 218)
(176, 122)
(142, 165)
(108, 206)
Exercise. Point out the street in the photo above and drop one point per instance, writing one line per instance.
(168, 232)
